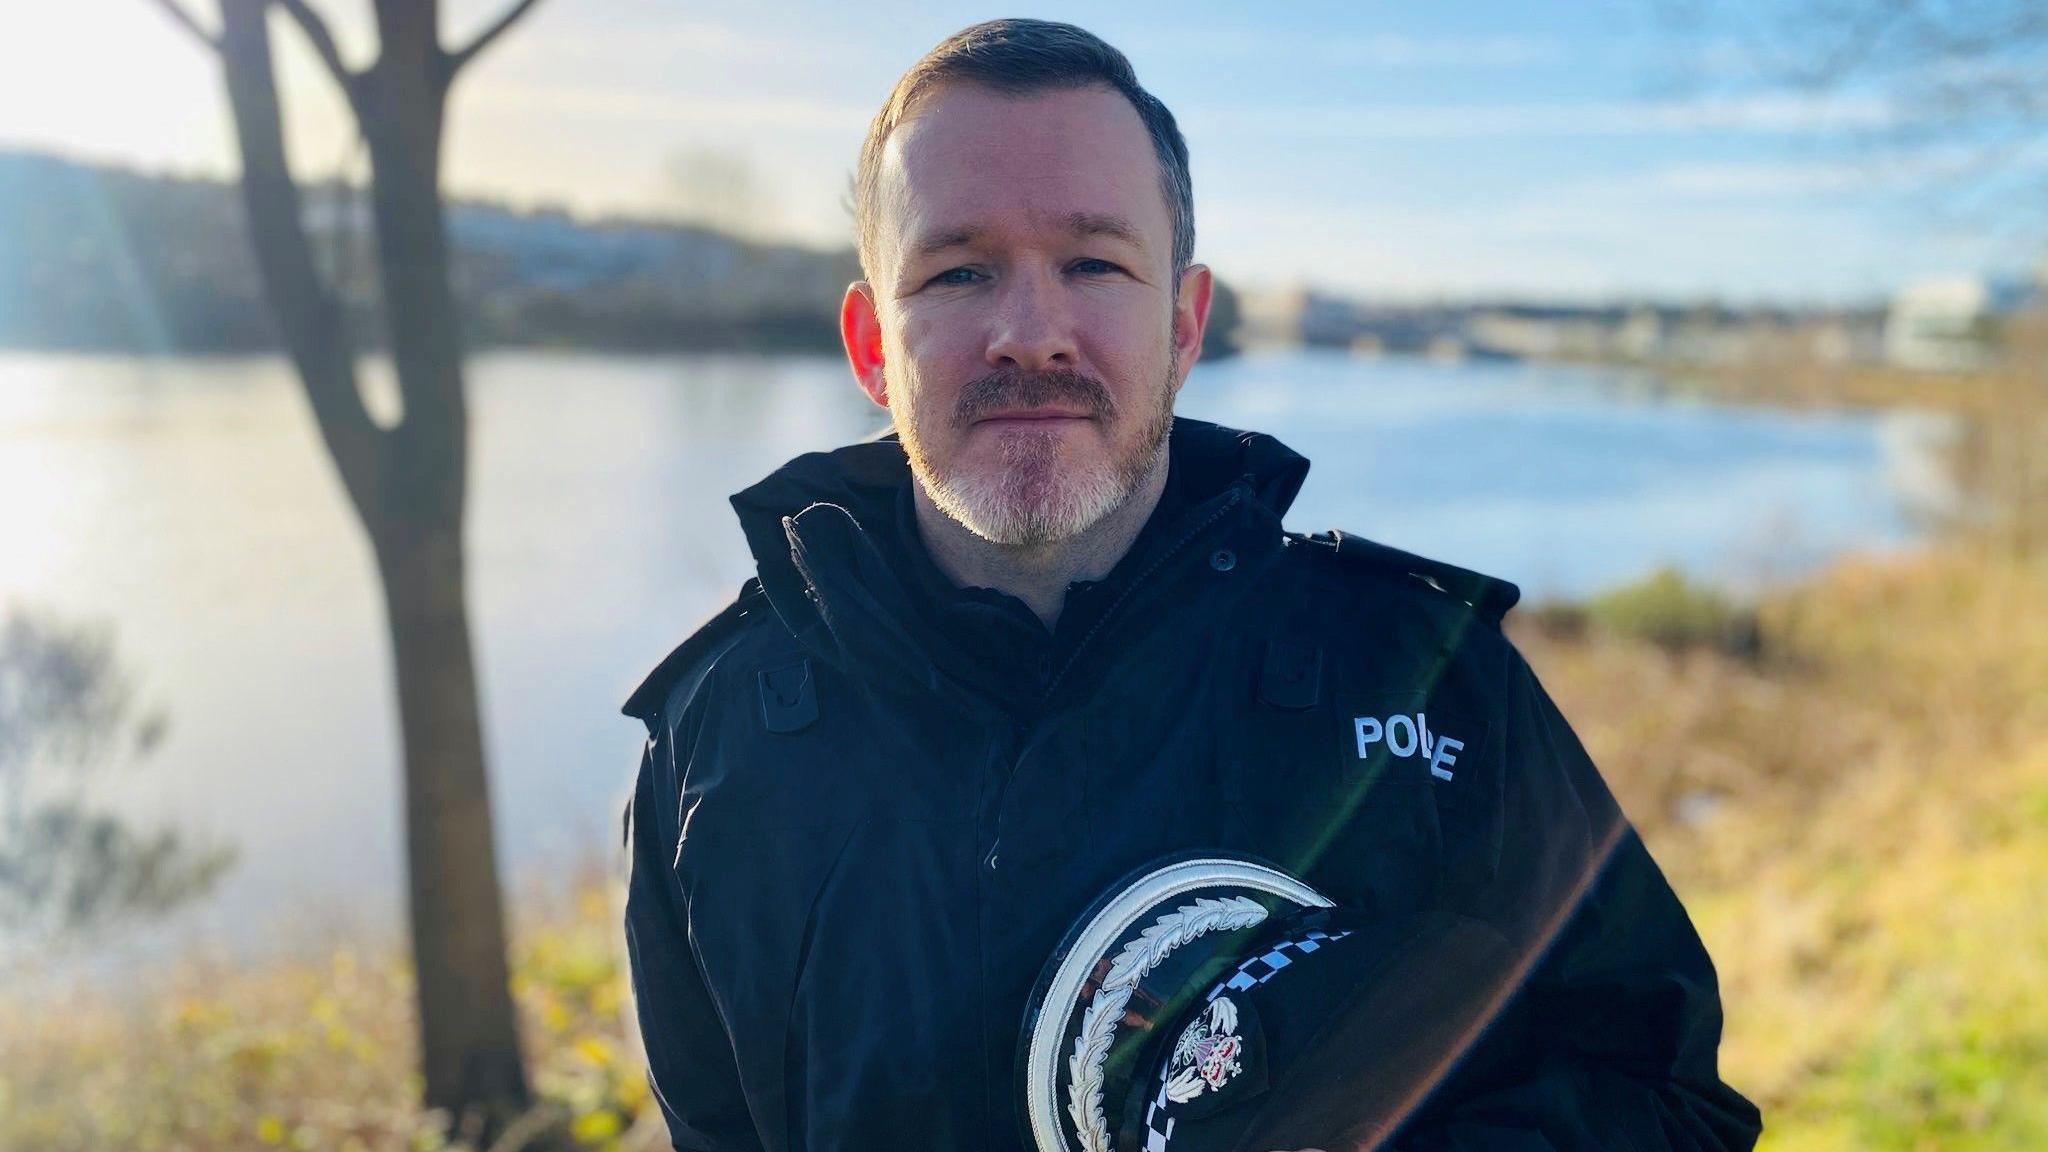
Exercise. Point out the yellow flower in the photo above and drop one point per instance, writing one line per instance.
(596, 1127)
(595, 1050)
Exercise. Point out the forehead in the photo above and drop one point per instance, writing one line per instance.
(968, 158)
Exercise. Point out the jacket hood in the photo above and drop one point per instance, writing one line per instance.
(831, 581)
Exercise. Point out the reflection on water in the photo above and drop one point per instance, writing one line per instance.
(190, 504)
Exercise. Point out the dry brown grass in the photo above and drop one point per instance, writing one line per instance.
(1859, 825)
(319, 1053)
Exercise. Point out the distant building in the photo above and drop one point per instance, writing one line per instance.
(1854, 336)
(1950, 324)
(1296, 317)
(1508, 334)
(1703, 333)
(1641, 336)
(1540, 332)
(1940, 325)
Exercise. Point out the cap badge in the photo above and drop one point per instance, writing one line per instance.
(1205, 1057)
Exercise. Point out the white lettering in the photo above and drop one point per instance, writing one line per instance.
(1368, 728)
(1404, 736)
(1401, 748)
(1447, 751)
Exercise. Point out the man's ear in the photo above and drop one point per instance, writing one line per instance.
(1191, 315)
(860, 329)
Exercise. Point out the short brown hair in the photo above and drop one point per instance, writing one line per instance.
(1020, 57)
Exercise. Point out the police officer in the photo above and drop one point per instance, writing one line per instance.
(1044, 632)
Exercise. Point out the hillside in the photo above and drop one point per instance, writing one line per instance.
(112, 259)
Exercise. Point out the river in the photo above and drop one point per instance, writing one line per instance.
(187, 505)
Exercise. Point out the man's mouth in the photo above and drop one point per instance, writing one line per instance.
(1033, 415)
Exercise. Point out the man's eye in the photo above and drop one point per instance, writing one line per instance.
(1094, 267)
(955, 276)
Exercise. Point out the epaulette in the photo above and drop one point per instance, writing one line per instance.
(1492, 597)
(710, 639)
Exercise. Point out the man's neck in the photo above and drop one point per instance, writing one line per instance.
(1037, 575)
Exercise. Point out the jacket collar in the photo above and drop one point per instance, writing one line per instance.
(818, 529)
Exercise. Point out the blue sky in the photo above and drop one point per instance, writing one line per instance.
(1398, 151)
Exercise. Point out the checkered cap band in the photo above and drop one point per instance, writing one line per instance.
(1251, 972)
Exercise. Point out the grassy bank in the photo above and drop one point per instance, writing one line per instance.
(318, 1052)
(1857, 817)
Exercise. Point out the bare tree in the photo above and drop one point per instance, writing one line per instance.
(1964, 84)
(407, 484)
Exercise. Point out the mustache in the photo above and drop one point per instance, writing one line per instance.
(1015, 388)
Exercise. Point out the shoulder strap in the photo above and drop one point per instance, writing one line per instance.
(693, 657)
(1491, 596)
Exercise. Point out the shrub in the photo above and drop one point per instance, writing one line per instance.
(1675, 614)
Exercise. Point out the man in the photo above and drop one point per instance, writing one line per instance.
(1046, 632)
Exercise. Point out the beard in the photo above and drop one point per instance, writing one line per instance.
(1029, 495)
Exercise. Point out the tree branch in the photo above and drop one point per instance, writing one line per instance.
(309, 313)
(190, 23)
(323, 43)
(483, 39)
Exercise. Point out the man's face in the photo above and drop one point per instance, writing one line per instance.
(1021, 325)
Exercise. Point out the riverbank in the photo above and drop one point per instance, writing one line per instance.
(317, 1050)
(1858, 813)
(1855, 810)
(1857, 818)
(1997, 462)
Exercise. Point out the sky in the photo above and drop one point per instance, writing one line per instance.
(1591, 151)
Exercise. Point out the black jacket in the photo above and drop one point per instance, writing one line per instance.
(871, 804)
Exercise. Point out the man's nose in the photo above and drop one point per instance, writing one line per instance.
(1032, 328)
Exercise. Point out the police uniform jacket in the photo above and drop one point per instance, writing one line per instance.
(870, 804)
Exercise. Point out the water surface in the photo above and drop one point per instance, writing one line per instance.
(188, 504)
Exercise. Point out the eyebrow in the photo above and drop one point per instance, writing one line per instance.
(1078, 223)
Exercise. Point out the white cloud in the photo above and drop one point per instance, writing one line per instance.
(664, 38)
(1902, 168)
(1758, 115)
(1384, 50)
(667, 107)
(1764, 178)
(1590, 241)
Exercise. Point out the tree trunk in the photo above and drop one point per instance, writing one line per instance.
(408, 485)
(469, 1042)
